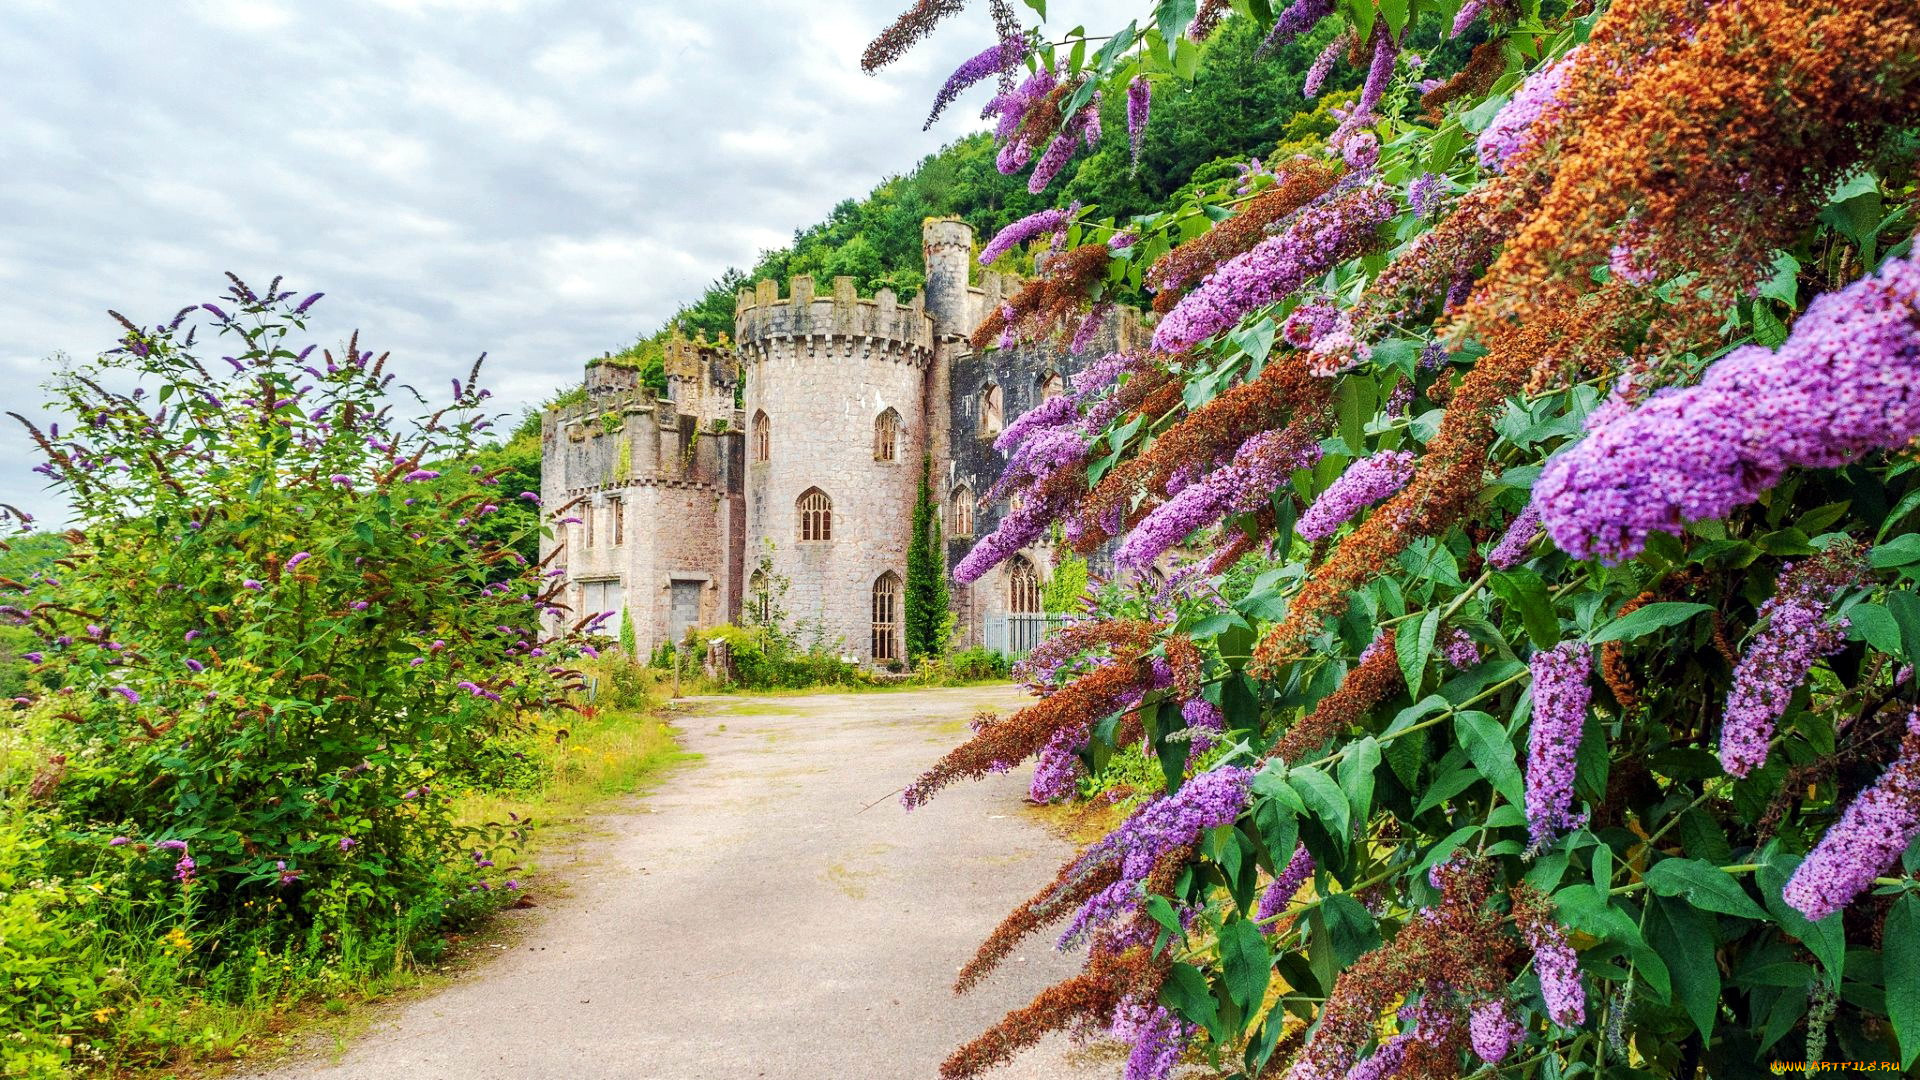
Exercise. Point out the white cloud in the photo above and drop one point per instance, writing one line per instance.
(538, 179)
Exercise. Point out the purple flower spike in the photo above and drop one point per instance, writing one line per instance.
(1494, 1031)
(1366, 482)
(998, 57)
(1560, 699)
(1867, 840)
(119, 841)
(1281, 892)
(1019, 232)
(298, 558)
(421, 474)
(1795, 635)
(128, 692)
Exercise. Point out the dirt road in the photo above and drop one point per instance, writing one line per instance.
(749, 920)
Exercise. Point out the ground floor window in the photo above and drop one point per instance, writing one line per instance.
(886, 617)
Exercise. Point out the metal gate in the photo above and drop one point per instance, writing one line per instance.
(1016, 635)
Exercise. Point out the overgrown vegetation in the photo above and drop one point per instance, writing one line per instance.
(284, 656)
(1537, 697)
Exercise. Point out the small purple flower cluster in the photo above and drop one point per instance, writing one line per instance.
(1300, 17)
(1019, 232)
(1846, 382)
(1365, 483)
(1524, 119)
(1559, 970)
(1425, 193)
(1428, 1021)
(1795, 635)
(1511, 550)
(1460, 650)
(1560, 699)
(1158, 1037)
(1205, 720)
(1867, 840)
(1307, 243)
(1494, 1030)
(1058, 769)
(1307, 324)
(1259, 466)
(1139, 109)
(998, 58)
(1281, 891)
(1322, 65)
(1157, 829)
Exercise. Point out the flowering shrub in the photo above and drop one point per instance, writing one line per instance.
(283, 642)
(1565, 403)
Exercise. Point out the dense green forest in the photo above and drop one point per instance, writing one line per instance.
(1241, 104)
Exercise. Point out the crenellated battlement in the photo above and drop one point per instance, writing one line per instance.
(840, 320)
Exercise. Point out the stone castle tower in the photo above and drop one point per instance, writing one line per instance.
(669, 508)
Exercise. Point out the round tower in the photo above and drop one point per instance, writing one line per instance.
(836, 427)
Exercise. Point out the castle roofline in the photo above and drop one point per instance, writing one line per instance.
(761, 314)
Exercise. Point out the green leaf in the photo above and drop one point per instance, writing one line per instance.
(1703, 884)
(1592, 911)
(1395, 12)
(1356, 775)
(1875, 625)
(1826, 939)
(1246, 965)
(1492, 752)
(1525, 594)
(1901, 962)
(1685, 937)
(1172, 16)
(1906, 611)
(1413, 646)
(1325, 799)
(1186, 992)
(1647, 620)
(1350, 928)
(1902, 550)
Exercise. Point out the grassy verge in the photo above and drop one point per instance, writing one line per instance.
(150, 986)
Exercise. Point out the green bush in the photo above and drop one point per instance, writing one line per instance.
(285, 642)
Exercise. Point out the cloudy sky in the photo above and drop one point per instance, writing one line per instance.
(538, 179)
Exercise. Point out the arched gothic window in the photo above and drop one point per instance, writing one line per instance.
(960, 512)
(992, 411)
(886, 617)
(762, 437)
(886, 436)
(816, 515)
(1052, 386)
(1023, 587)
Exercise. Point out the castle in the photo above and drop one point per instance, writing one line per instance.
(666, 508)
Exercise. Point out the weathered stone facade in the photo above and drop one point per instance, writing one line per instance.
(843, 397)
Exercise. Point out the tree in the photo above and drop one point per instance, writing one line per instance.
(926, 602)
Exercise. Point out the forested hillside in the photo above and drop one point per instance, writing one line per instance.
(1240, 105)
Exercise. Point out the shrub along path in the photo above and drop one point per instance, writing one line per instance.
(749, 920)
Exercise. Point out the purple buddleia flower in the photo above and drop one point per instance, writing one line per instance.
(34, 657)
(1300, 17)
(1631, 264)
(1366, 482)
(218, 314)
(1361, 151)
(421, 474)
(1090, 325)
(307, 303)
(1306, 244)
(1281, 891)
(183, 871)
(1011, 108)
(1425, 193)
(999, 57)
(1379, 73)
(1019, 232)
(287, 877)
(1139, 110)
(1308, 323)
(1205, 720)
(1468, 12)
(133, 698)
(1511, 551)
(195, 666)
(1558, 967)
(297, 558)
(1494, 1030)
(1158, 828)
(1795, 633)
(1560, 699)
(1051, 413)
(1868, 839)
(1158, 1037)
(1323, 64)
(1082, 124)
(348, 843)
(1526, 117)
(1459, 650)
(1057, 771)
(1845, 383)
(119, 841)
(1259, 467)
(1428, 1021)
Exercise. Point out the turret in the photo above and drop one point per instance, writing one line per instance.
(607, 376)
(701, 377)
(947, 244)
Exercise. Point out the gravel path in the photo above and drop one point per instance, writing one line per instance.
(748, 919)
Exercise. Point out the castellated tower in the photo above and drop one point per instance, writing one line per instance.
(644, 495)
(836, 393)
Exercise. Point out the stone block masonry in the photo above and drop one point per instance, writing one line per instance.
(661, 505)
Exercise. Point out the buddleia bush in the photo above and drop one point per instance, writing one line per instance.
(1571, 727)
(282, 640)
